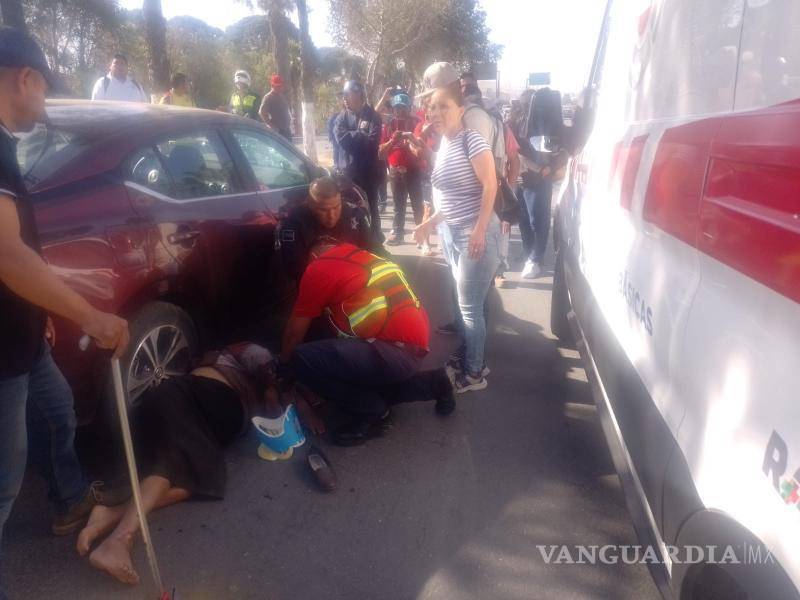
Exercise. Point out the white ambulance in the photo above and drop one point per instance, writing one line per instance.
(677, 238)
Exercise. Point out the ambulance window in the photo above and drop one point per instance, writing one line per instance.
(769, 62)
(688, 58)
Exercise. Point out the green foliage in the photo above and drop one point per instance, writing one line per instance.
(400, 38)
(327, 103)
(382, 42)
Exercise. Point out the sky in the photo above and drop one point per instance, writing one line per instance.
(558, 36)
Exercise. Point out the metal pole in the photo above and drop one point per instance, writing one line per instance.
(133, 472)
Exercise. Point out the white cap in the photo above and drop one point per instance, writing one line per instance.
(439, 74)
(241, 77)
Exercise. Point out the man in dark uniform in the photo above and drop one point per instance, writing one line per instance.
(324, 214)
(358, 132)
(32, 388)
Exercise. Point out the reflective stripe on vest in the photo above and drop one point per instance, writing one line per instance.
(367, 312)
(242, 104)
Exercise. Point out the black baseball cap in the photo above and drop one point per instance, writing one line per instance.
(19, 49)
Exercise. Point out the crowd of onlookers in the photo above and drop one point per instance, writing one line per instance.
(119, 85)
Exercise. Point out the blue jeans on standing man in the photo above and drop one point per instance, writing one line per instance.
(534, 221)
(39, 405)
(473, 279)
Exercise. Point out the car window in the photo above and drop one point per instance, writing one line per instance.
(274, 165)
(145, 168)
(198, 166)
(41, 152)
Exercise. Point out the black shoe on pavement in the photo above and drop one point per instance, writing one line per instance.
(443, 393)
(359, 431)
(448, 328)
(322, 469)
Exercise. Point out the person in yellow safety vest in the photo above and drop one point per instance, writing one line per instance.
(244, 102)
(382, 334)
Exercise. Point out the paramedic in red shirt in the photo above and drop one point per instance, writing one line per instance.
(404, 171)
(382, 337)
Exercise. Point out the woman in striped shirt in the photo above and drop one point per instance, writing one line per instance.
(464, 189)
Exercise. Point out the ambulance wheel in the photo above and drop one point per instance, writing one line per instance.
(710, 582)
(559, 302)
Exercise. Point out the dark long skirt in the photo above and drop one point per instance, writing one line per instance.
(180, 429)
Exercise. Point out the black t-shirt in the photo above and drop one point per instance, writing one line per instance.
(21, 323)
(300, 231)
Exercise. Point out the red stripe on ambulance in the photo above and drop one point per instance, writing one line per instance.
(730, 187)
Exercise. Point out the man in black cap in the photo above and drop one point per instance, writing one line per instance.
(357, 130)
(324, 214)
(32, 388)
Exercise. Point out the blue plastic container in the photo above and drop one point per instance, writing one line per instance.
(282, 433)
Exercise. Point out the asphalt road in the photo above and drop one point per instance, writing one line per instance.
(439, 509)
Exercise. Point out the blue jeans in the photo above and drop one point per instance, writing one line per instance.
(473, 279)
(534, 220)
(43, 399)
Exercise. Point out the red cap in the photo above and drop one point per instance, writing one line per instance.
(276, 80)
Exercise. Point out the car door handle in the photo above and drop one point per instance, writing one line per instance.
(182, 237)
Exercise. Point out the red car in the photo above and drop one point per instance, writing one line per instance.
(165, 216)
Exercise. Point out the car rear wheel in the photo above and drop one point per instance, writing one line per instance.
(163, 344)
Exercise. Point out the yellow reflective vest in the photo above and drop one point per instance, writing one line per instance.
(245, 106)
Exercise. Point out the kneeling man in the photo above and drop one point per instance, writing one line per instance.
(382, 337)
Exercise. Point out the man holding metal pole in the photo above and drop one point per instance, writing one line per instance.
(32, 388)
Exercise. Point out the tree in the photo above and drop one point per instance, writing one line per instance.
(155, 31)
(382, 31)
(197, 50)
(337, 65)
(459, 35)
(72, 34)
(309, 67)
(13, 15)
(279, 29)
(246, 43)
(400, 37)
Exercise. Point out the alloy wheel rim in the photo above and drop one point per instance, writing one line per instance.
(161, 354)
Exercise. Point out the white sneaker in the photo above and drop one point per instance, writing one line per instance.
(537, 270)
(466, 383)
(527, 270)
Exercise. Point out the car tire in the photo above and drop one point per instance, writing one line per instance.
(559, 302)
(163, 344)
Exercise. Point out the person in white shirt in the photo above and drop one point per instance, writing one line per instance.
(118, 85)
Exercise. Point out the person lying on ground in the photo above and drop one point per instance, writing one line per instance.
(180, 429)
(325, 213)
(382, 332)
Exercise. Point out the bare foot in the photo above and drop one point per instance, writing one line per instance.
(114, 557)
(101, 521)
